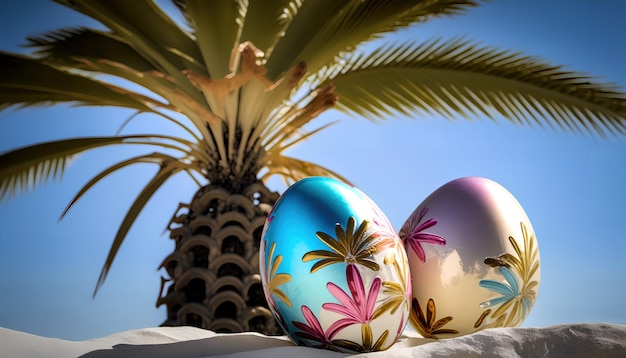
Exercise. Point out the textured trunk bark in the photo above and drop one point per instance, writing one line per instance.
(213, 274)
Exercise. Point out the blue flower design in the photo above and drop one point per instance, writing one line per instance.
(511, 295)
(518, 293)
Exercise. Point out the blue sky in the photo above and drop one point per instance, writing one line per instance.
(570, 185)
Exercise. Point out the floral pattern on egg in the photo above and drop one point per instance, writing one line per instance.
(334, 272)
(474, 259)
(518, 294)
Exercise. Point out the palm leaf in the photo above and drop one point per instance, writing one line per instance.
(24, 168)
(169, 167)
(457, 77)
(28, 82)
(307, 18)
(105, 52)
(423, 11)
(265, 21)
(156, 82)
(292, 169)
(156, 158)
(66, 46)
(346, 25)
(289, 134)
(216, 29)
(146, 28)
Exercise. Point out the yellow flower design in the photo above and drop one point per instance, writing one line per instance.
(427, 323)
(351, 247)
(368, 341)
(275, 280)
(399, 292)
(515, 299)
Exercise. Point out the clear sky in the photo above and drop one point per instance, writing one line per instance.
(571, 186)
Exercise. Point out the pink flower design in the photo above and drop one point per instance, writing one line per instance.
(413, 236)
(360, 307)
(314, 331)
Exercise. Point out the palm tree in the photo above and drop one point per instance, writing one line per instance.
(245, 81)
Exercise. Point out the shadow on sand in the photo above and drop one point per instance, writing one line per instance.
(214, 346)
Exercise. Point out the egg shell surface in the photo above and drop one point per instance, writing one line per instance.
(333, 269)
(474, 259)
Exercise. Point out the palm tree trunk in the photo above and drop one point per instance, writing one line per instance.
(214, 280)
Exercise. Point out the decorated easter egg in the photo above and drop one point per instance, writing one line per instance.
(334, 271)
(473, 257)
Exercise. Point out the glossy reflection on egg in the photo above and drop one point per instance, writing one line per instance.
(473, 257)
(334, 271)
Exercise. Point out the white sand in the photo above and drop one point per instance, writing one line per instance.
(571, 340)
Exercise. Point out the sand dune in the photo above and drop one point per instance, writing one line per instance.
(570, 340)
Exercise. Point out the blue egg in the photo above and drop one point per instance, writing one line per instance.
(334, 271)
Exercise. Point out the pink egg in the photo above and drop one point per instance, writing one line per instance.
(473, 257)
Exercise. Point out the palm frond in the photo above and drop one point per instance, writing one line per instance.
(292, 169)
(345, 25)
(156, 158)
(293, 136)
(168, 168)
(108, 53)
(262, 110)
(307, 20)
(217, 27)
(27, 82)
(458, 77)
(66, 46)
(24, 168)
(146, 28)
(286, 126)
(423, 11)
(217, 31)
(265, 22)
